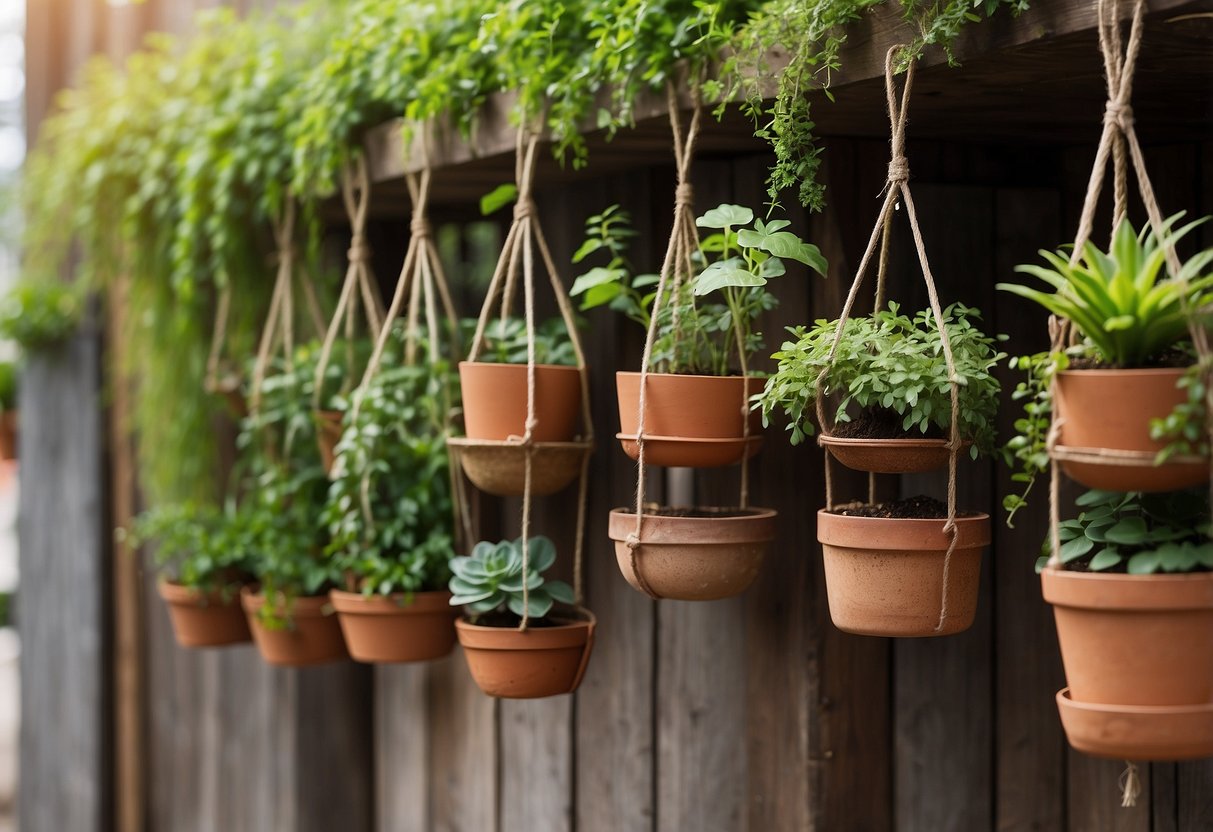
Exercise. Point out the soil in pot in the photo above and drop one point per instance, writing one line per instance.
(692, 554)
(690, 420)
(495, 401)
(311, 635)
(1112, 409)
(548, 659)
(875, 441)
(328, 434)
(204, 619)
(884, 567)
(396, 628)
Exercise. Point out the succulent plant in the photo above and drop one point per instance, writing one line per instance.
(491, 579)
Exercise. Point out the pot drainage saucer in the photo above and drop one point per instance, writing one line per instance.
(1137, 732)
(690, 452)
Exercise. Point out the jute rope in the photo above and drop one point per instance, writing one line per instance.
(359, 290)
(214, 383)
(517, 262)
(898, 187)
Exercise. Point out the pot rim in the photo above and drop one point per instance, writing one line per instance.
(522, 367)
(841, 531)
(302, 606)
(1122, 372)
(690, 376)
(756, 527)
(1064, 696)
(827, 439)
(174, 592)
(570, 632)
(428, 602)
(1122, 592)
(693, 440)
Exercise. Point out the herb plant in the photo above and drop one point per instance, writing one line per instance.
(1141, 534)
(200, 547)
(890, 366)
(40, 314)
(505, 342)
(489, 581)
(8, 386)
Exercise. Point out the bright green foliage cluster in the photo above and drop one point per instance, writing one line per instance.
(891, 362)
(1141, 534)
(38, 315)
(491, 579)
(1028, 449)
(505, 342)
(389, 509)
(200, 547)
(8, 386)
(1123, 300)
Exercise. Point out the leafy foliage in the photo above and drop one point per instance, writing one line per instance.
(1141, 534)
(505, 342)
(40, 314)
(491, 579)
(1028, 449)
(1185, 429)
(201, 547)
(890, 362)
(8, 386)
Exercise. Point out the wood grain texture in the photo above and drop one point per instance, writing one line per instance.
(402, 748)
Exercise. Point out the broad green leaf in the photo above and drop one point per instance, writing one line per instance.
(726, 216)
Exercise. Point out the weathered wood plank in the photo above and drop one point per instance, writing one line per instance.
(402, 748)
(463, 756)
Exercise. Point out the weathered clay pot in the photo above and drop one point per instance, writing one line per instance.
(495, 401)
(396, 628)
(8, 435)
(328, 434)
(1112, 409)
(311, 636)
(543, 661)
(689, 421)
(1138, 648)
(693, 558)
(884, 576)
(888, 456)
(203, 619)
(499, 468)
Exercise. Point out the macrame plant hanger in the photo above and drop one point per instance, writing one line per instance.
(358, 293)
(517, 263)
(897, 189)
(221, 380)
(1118, 144)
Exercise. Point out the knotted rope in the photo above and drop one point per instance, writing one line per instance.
(517, 261)
(898, 187)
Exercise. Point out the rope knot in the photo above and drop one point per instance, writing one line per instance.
(420, 227)
(632, 541)
(899, 169)
(1119, 114)
(684, 195)
(359, 251)
(523, 209)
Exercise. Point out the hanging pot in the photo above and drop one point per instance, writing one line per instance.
(328, 434)
(499, 467)
(542, 661)
(699, 554)
(414, 627)
(495, 401)
(690, 421)
(204, 619)
(1112, 409)
(1138, 656)
(884, 576)
(311, 634)
(8, 435)
(888, 456)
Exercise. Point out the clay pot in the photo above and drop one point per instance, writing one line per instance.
(693, 558)
(396, 628)
(543, 661)
(884, 576)
(328, 434)
(8, 435)
(499, 468)
(689, 421)
(311, 635)
(888, 456)
(1136, 648)
(204, 619)
(1112, 409)
(495, 401)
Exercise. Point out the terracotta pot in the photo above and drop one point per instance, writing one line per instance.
(495, 401)
(8, 435)
(1137, 732)
(499, 468)
(1134, 639)
(328, 434)
(397, 628)
(889, 456)
(311, 635)
(884, 576)
(693, 558)
(1113, 409)
(689, 421)
(202, 619)
(543, 661)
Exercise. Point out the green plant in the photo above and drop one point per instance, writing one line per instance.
(735, 260)
(1122, 300)
(490, 580)
(505, 342)
(1184, 429)
(201, 547)
(8, 386)
(389, 509)
(40, 314)
(1028, 449)
(890, 366)
(1141, 534)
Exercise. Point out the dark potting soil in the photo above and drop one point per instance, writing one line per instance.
(881, 423)
(919, 507)
(507, 620)
(694, 511)
(1170, 358)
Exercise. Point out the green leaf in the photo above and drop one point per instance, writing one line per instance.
(721, 275)
(1129, 531)
(726, 216)
(498, 198)
(1105, 559)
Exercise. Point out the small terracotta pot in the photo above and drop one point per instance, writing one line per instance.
(499, 468)
(884, 576)
(689, 421)
(202, 619)
(1112, 409)
(495, 401)
(8, 435)
(888, 456)
(311, 636)
(543, 661)
(396, 628)
(328, 434)
(1137, 732)
(693, 558)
